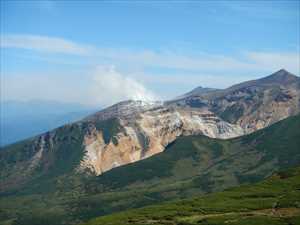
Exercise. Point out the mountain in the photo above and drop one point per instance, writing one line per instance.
(21, 120)
(253, 104)
(51, 191)
(273, 201)
(134, 130)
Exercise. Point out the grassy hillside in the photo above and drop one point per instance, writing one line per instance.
(273, 201)
(63, 150)
(190, 166)
(16, 167)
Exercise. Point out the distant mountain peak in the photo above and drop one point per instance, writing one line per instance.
(282, 73)
(197, 91)
(282, 77)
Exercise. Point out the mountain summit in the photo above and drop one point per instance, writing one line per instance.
(281, 77)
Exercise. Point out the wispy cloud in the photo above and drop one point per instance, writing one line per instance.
(44, 44)
(132, 74)
(247, 61)
(171, 58)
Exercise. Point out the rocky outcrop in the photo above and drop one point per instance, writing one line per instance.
(147, 132)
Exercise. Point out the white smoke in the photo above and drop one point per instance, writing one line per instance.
(111, 86)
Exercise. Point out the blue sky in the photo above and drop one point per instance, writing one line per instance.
(98, 53)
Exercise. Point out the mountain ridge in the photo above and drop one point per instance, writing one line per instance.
(130, 131)
(280, 77)
(252, 104)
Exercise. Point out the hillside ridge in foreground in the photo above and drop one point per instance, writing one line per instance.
(275, 201)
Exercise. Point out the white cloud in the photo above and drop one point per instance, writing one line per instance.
(175, 71)
(173, 59)
(44, 44)
(245, 61)
(112, 86)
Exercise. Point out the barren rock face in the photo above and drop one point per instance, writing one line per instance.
(146, 133)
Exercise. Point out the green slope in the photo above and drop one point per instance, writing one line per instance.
(190, 166)
(273, 201)
(61, 160)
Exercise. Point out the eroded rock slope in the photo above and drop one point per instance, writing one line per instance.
(143, 133)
